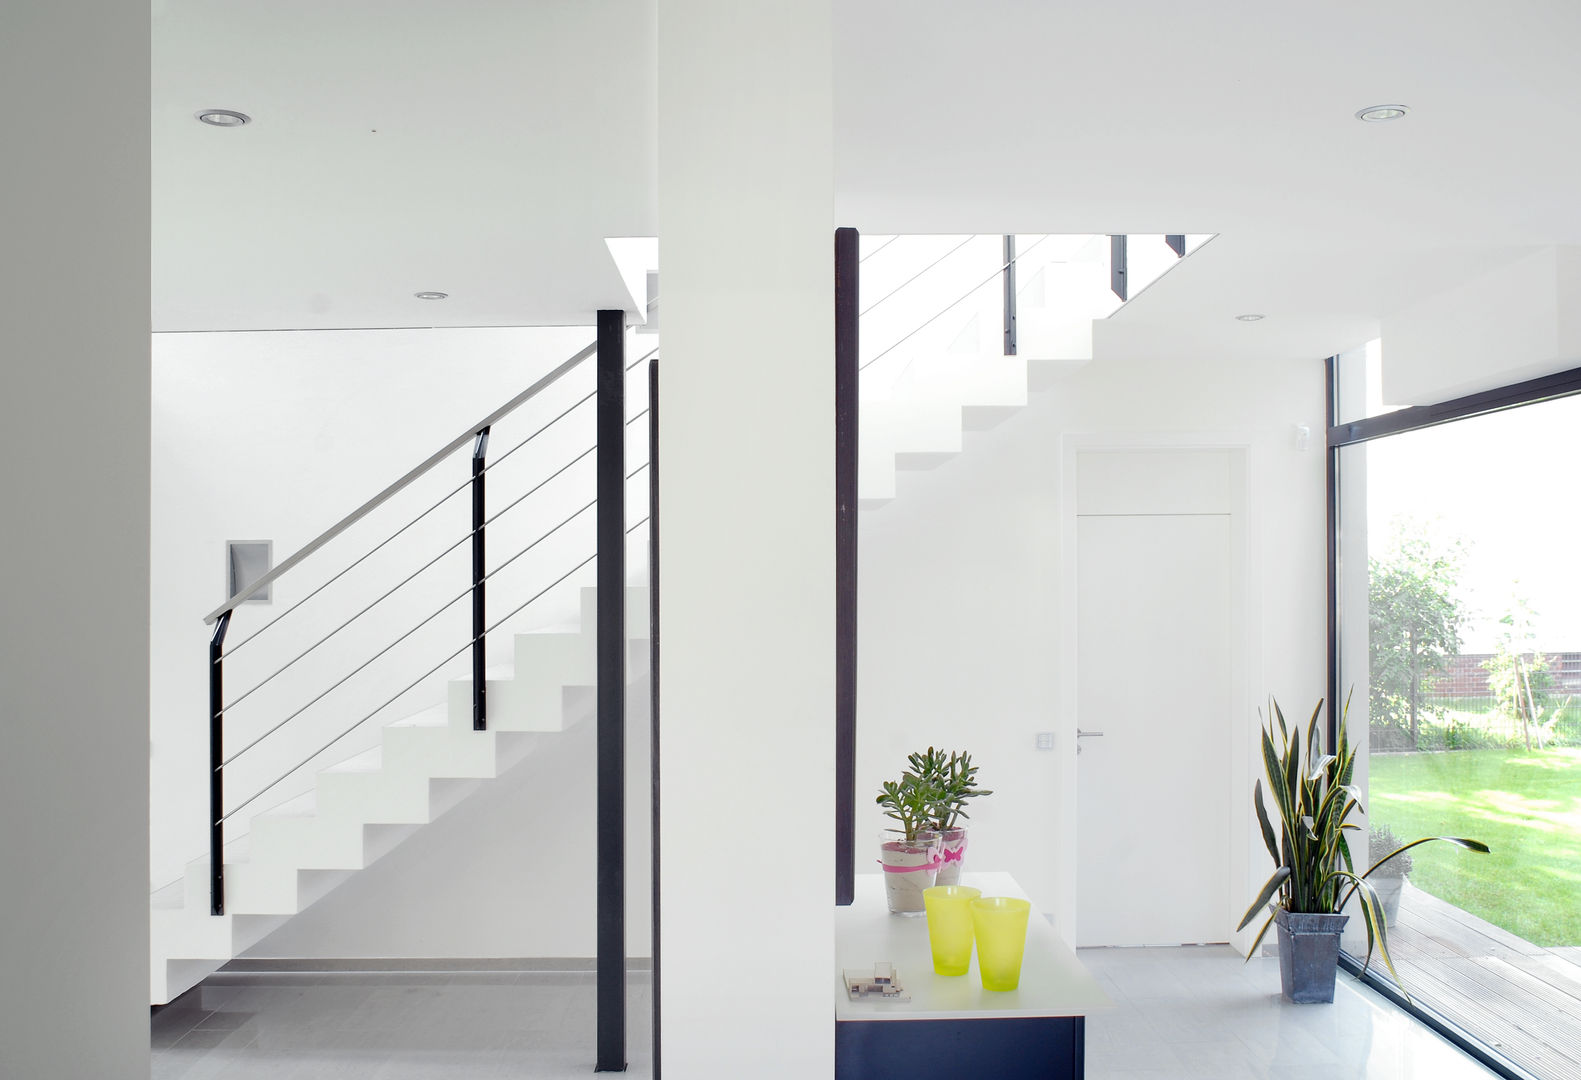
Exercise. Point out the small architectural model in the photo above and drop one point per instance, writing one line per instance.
(881, 982)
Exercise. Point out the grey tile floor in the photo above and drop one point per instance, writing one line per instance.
(1180, 1014)
(391, 1027)
(1203, 1012)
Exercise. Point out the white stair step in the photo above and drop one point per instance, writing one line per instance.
(366, 761)
(185, 949)
(447, 751)
(383, 796)
(433, 716)
(950, 378)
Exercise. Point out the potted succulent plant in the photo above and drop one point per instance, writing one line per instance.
(910, 854)
(951, 781)
(1315, 876)
(1391, 865)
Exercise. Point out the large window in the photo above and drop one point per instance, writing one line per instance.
(1459, 641)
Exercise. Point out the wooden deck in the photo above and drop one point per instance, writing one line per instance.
(1522, 999)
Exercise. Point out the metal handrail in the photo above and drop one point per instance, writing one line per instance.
(382, 497)
(431, 562)
(452, 493)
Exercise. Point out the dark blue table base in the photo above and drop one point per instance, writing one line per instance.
(1030, 1048)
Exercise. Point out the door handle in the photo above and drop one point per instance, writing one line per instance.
(1080, 734)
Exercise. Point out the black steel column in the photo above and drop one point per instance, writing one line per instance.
(1177, 244)
(653, 680)
(1117, 282)
(480, 685)
(1331, 497)
(217, 766)
(847, 271)
(611, 691)
(1010, 295)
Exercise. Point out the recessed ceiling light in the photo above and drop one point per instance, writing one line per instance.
(1377, 114)
(1250, 317)
(224, 118)
(429, 295)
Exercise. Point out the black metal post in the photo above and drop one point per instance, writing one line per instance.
(480, 683)
(653, 679)
(217, 765)
(1010, 295)
(1117, 280)
(611, 691)
(1177, 244)
(1331, 502)
(847, 308)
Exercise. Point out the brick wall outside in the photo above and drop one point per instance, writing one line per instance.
(1465, 676)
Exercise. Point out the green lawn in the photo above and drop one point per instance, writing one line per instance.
(1526, 807)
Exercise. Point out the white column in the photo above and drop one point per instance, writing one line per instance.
(74, 491)
(746, 242)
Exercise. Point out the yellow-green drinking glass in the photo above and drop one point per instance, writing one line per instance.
(950, 926)
(1000, 924)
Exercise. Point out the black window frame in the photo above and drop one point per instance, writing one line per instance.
(1516, 395)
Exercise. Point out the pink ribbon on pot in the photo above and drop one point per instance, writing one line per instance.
(932, 864)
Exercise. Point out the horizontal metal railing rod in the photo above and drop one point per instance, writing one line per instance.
(400, 693)
(406, 580)
(350, 674)
(282, 669)
(583, 401)
(519, 607)
(953, 304)
(917, 275)
(463, 486)
(378, 500)
(514, 502)
(880, 247)
(563, 523)
(430, 618)
(358, 562)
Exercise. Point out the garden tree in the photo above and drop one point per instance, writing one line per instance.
(1414, 622)
(1518, 678)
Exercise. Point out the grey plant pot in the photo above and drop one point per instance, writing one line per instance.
(1388, 889)
(1308, 955)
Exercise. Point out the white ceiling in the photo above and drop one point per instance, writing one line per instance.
(482, 148)
(511, 138)
(1233, 117)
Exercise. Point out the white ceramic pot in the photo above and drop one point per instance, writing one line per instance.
(909, 867)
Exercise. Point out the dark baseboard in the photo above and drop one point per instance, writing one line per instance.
(434, 964)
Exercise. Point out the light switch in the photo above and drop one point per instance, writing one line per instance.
(1045, 740)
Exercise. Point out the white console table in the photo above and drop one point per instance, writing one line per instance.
(952, 1027)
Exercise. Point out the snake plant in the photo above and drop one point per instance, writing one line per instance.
(1314, 800)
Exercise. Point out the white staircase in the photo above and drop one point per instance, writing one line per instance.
(916, 402)
(362, 807)
(952, 376)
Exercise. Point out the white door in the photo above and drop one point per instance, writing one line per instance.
(1154, 673)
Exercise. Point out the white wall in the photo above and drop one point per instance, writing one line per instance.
(961, 598)
(747, 539)
(510, 872)
(74, 391)
(279, 435)
(1516, 321)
